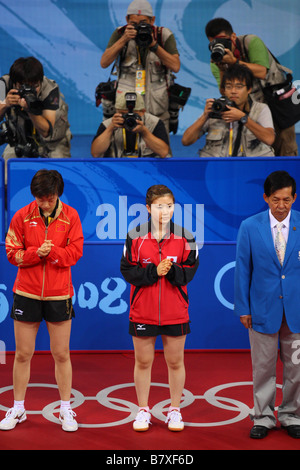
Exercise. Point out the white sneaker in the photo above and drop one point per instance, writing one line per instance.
(66, 417)
(12, 418)
(142, 421)
(174, 420)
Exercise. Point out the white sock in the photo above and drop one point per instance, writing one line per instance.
(146, 408)
(19, 405)
(65, 405)
(173, 408)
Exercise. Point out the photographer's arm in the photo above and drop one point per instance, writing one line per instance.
(264, 134)
(111, 53)
(102, 141)
(157, 145)
(43, 122)
(192, 133)
(171, 61)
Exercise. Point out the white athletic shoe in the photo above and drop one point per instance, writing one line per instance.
(142, 421)
(67, 420)
(12, 418)
(174, 420)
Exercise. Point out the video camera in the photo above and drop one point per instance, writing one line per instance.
(144, 34)
(29, 94)
(217, 47)
(219, 106)
(130, 118)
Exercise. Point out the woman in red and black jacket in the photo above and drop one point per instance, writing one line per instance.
(159, 260)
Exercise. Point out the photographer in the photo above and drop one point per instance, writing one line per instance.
(235, 124)
(249, 50)
(36, 117)
(131, 131)
(147, 54)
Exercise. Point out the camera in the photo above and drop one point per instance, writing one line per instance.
(144, 34)
(130, 118)
(217, 47)
(30, 96)
(219, 106)
(178, 96)
(6, 134)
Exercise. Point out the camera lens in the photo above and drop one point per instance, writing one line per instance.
(217, 52)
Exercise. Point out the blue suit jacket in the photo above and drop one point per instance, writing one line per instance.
(263, 288)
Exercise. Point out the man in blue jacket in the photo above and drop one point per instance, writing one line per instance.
(267, 299)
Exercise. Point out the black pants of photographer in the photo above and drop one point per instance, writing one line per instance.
(285, 144)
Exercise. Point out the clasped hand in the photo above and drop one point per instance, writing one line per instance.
(164, 267)
(45, 248)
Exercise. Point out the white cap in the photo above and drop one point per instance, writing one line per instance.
(140, 7)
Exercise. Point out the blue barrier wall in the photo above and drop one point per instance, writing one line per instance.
(108, 195)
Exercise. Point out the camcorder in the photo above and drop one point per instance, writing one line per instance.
(144, 34)
(217, 48)
(105, 93)
(178, 96)
(29, 94)
(130, 118)
(219, 106)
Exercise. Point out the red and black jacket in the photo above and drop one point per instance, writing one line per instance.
(153, 299)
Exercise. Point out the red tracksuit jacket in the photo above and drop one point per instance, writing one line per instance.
(153, 299)
(46, 278)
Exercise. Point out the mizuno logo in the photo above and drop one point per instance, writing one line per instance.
(18, 311)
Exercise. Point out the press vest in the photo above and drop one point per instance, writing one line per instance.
(217, 139)
(61, 125)
(156, 96)
(274, 75)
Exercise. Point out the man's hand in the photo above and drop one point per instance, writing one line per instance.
(246, 320)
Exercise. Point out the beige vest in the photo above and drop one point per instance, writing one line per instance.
(217, 139)
(156, 97)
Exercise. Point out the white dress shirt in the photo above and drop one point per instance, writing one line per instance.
(285, 228)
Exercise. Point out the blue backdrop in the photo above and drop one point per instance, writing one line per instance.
(69, 37)
(215, 195)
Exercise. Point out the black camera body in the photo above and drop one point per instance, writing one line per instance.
(144, 34)
(29, 94)
(130, 118)
(217, 47)
(219, 106)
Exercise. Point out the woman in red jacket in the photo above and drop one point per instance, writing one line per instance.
(159, 260)
(44, 240)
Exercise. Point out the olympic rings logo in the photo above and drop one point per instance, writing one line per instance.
(158, 410)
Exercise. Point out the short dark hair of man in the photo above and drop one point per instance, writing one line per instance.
(217, 26)
(47, 183)
(279, 180)
(238, 72)
(26, 70)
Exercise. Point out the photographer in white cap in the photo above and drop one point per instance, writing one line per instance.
(131, 132)
(148, 54)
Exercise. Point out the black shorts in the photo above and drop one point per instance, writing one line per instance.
(141, 329)
(33, 310)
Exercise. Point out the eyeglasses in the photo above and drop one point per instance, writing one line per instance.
(237, 86)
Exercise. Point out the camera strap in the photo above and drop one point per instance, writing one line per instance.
(237, 140)
(136, 146)
(140, 76)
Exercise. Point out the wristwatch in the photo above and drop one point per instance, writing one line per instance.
(153, 48)
(244, 119)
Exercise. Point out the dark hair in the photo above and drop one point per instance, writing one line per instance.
(47, 183)
(278, 180)
(238, 72)
(26, 70)
(216, 26)
(157, 190)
